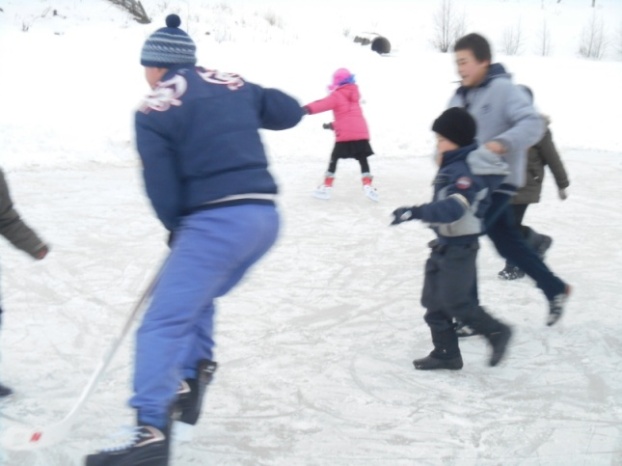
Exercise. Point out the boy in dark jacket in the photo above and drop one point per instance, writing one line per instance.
(540, 155)
(14, 229)
(206, 175)
(463, 186)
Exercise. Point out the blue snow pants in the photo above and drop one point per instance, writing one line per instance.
(210, 254)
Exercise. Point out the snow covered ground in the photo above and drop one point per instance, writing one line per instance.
(315, 347)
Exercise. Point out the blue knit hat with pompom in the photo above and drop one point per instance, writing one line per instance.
(168, 46)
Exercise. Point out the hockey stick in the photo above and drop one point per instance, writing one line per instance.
(31, 438)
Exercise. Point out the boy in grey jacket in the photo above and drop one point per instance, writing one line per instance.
(466, 177)
(14, 229)
(507, 124)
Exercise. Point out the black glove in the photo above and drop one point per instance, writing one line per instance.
(328, 126)
(404, 214)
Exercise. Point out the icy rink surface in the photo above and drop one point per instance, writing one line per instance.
(315, 347)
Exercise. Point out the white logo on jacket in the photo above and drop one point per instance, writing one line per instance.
(231, 80)
(165, 95)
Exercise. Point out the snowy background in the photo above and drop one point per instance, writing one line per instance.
(316, 346)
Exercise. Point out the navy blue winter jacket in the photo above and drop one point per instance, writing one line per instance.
(462, 189)
(198, 137)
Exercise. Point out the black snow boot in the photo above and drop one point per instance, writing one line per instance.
(497, 333)
(511, 272)
(499, 341)
(430, 362)
(190, 395)
(445, 355)
(148, 446)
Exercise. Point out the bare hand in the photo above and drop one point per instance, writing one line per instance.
(496, 147)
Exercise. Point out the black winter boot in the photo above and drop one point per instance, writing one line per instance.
(446, 353)
(497, 333)
(430, 362)
(148, 446)
(190, 395)
(499, 341)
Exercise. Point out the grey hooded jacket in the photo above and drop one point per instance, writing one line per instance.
(503, 113)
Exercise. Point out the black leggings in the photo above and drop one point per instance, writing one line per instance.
(332, 166)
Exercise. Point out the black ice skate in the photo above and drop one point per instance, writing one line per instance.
(190, 395)
(511, 272)
(556, 306)
(148, 446)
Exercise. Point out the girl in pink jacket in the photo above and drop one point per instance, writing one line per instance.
(351, 132)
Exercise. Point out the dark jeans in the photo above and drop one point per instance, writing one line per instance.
(508, 239)
(519, 213)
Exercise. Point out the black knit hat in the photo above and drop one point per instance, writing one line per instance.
(168, 46)
(457, 125)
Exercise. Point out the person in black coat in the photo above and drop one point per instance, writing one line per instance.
(20, 235)
(541, 155)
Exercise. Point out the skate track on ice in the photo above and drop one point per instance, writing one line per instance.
(315, 347)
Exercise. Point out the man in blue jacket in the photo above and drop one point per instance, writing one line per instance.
(206, 175)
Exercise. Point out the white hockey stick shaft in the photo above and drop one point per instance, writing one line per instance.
(30, 438)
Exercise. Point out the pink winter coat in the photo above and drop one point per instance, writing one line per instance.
(349, 123)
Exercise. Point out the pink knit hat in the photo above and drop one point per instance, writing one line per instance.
(339, 76)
